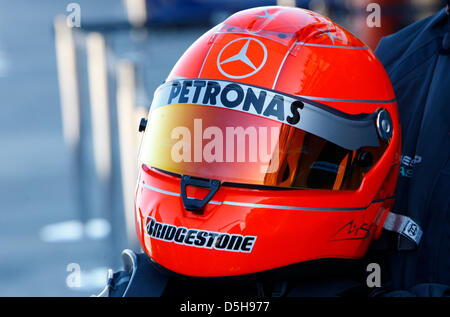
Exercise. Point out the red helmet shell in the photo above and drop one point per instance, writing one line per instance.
(272, 228)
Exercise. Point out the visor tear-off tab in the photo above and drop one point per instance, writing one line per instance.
(406, 228)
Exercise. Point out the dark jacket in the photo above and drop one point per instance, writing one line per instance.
(417, 60)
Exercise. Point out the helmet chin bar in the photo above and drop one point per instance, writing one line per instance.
(193, 204)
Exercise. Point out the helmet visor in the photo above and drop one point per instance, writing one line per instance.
(244, 134)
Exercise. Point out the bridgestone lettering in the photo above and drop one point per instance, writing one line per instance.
(199, 238)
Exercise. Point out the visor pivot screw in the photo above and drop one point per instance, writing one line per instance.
(384, 125)
(142, 125)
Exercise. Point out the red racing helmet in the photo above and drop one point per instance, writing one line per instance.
(275, 140)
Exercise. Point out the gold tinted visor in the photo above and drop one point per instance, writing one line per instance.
(209, 140)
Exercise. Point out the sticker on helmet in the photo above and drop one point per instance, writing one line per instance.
(199, 238)
(348, 131)
(352, 231)
(233, 95)
(247, 55)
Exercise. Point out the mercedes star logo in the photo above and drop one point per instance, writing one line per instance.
(252, 53)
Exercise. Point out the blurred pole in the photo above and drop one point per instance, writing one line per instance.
(286, 3)
(98, 92)
(129, 139)
(70, 107)
(136, 12)
(101, 131)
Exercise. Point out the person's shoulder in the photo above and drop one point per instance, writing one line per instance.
(394, 47)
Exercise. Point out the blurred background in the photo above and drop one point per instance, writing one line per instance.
(75, 79)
